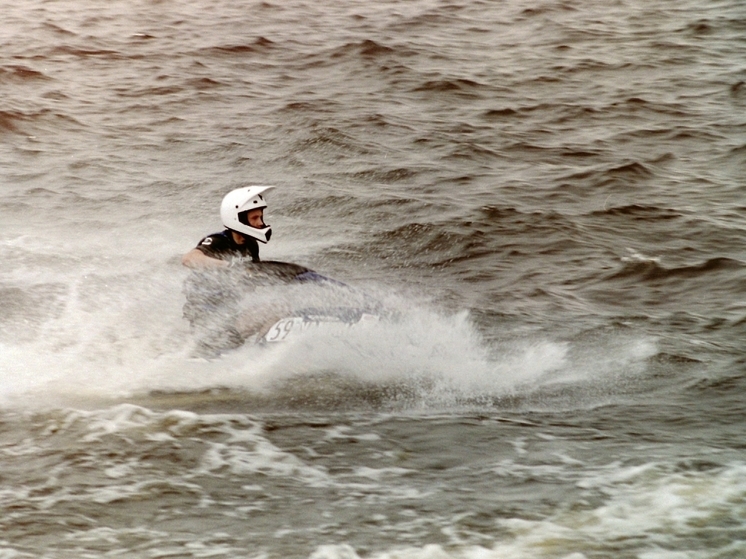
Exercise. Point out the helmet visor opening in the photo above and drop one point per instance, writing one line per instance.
(243, 217)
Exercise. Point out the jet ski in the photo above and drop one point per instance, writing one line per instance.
(268, 303)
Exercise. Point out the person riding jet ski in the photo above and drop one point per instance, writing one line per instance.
(218, 285)
(232, 296)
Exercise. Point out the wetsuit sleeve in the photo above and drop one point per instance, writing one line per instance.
(215, 247)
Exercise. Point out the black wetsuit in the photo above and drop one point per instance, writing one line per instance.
(222, 246)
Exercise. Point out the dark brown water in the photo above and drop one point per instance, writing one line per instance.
(548, 195)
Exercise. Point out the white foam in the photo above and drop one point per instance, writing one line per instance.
(140, 347)
(653, 511)
(228, 442)
(443, 353)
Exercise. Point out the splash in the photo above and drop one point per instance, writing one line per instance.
(106, 344)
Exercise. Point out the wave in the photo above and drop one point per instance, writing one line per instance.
(9, 120)
(80, 52)
(637, 104)
(56, 29)
(329, 141)
(653, 272)
(258, 46)
(497, 114)
(372, 49)
(642, 212)
(366, 49)
(16, 121)
(613, 172)
(452, 85)
(456, 242)
(384, 175)
(19, 73)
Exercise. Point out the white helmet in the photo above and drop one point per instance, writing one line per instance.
(237, 204)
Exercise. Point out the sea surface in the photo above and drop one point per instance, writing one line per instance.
(549, 195)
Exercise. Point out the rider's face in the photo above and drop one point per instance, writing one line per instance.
(256, 218)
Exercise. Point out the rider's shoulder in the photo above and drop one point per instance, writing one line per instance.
(215, 241)
(214, 238)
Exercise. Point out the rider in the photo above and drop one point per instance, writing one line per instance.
(213, 295)
(242, 212)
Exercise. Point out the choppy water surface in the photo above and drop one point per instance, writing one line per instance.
(549, 196)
